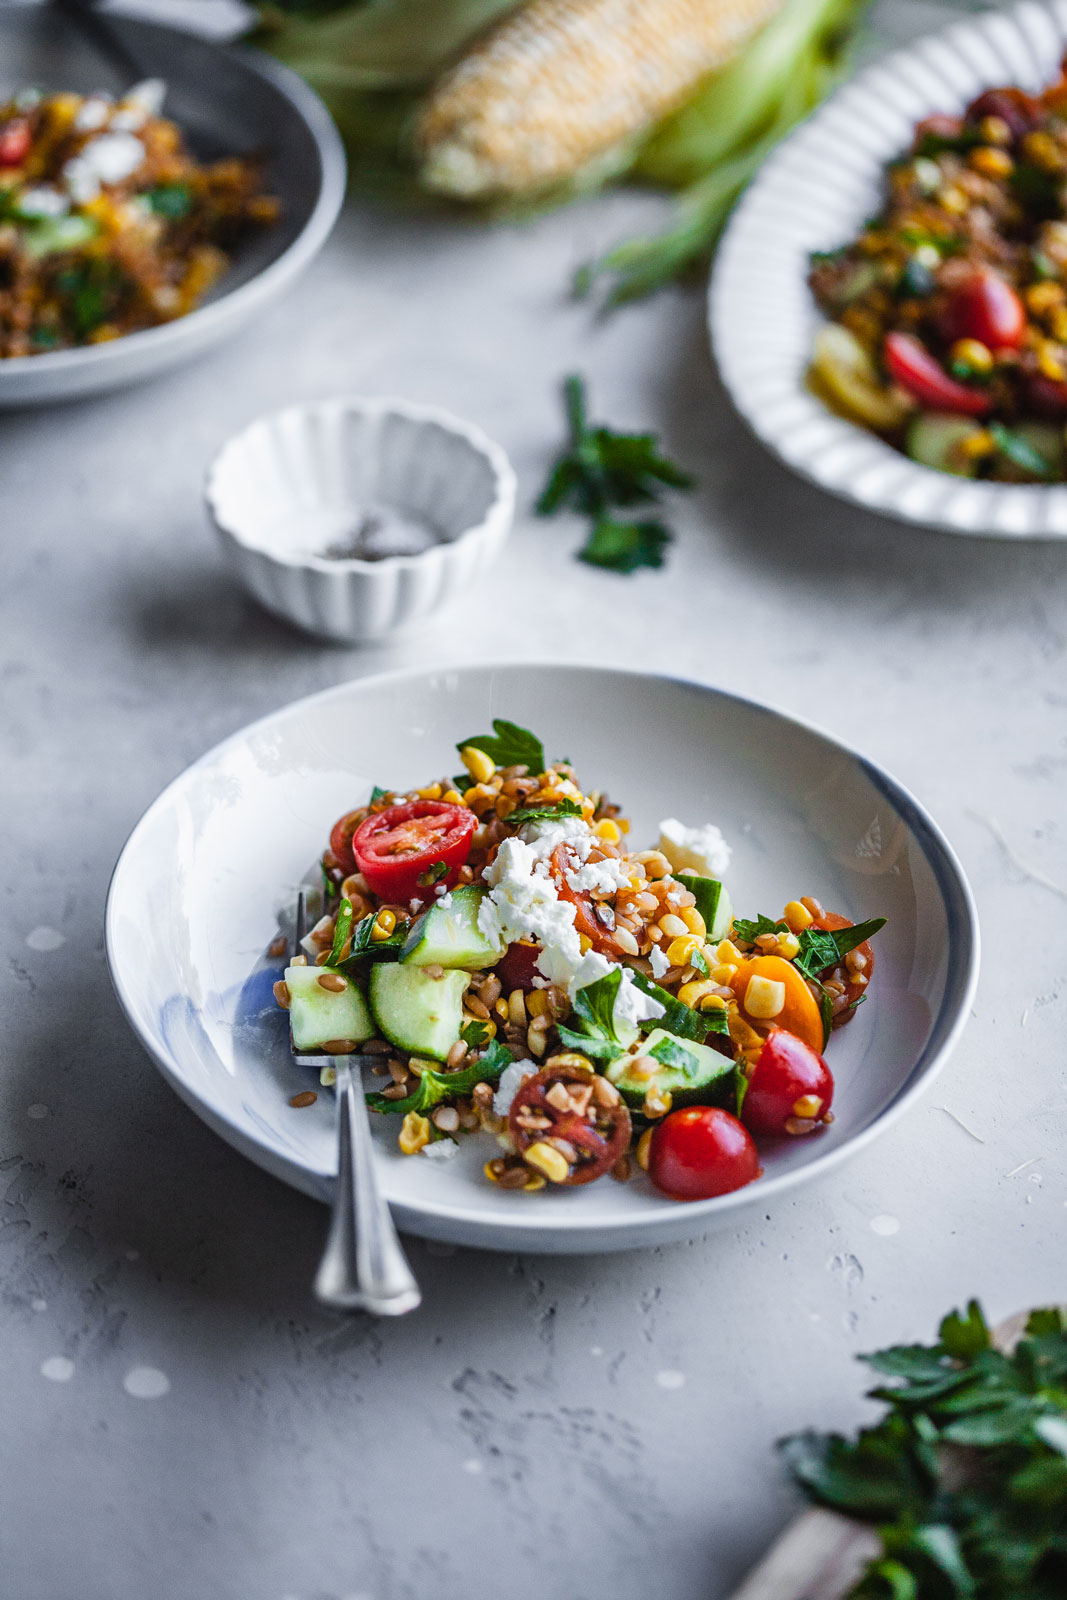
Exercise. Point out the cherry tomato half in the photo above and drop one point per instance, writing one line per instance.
(395, 848)
(910, 364)
(600, 934)
(700, 1152)
(578, 1114)
(830, 922)
(15, 141)
(985, 307)
(791, 1084)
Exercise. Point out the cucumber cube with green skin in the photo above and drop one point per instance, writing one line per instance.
(318, 1015)
(417, 1012)
(695, 1076)
(447, 934)
(713, 903)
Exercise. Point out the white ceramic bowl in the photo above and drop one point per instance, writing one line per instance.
(813, 194)
(291, 484)
(226, 100)
(215, 863)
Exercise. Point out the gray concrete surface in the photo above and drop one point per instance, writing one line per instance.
(570, 1429)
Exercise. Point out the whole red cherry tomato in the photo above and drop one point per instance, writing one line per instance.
(15, 141)
(791, 1084)
(578, 1114)
(700, 1152)
(1014, 106)
(396, 848)
(910, 364)
(984, 306)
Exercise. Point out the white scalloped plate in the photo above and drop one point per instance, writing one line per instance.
(813, 194)
(215, 861)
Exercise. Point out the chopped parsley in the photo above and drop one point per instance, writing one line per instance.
(508, 746)
(432, 875)
(593, 1018)
(433, 1087)
(546, 813)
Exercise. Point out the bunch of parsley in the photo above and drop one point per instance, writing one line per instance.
(966, 1475)
(601, 472)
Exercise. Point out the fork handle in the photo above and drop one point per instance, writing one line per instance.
(363, 1267)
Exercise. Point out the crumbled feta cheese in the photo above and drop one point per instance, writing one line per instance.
(92, 114)
(633, 1004)
(523, 902)
(511, 1080)
(605, 876)
(659, 961)
(544, 837)
(702, 849)
(147, 96)
(109, 158)
(43, 201)
(440, 1149)
(444, 897)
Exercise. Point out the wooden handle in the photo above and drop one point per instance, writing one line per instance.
(820, 1556)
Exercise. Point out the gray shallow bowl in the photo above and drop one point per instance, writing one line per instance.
(228, 102)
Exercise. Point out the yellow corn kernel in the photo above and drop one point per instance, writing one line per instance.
(384, 924)
(797, 917)
(657, 1103)
(623, 824)
(533, 1183)
(991, 162)
(809, 1105)
(722, 974)
(544, 1158)
(680, 951)
(608, 829)
(572, 1059)
(728, 953)
(673, 926)
(712, 1002)
(954, 200)
(694, 921)
(452, 797)
(642, 1149)
(414, 1134)
(537, 1003)
(976, 445)
(1041, 297)
(477, 763)
(489, 1172)
(994, 130)
(972, 354)
(431, 792)
(691, 994)
(1050, 360)
(764, 997)
(788, 946)
(584, 943)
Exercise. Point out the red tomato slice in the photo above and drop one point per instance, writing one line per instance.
(984, 307)
(591, 1135)
(586, 921)
(15, 141)
(396, 848)
(910, 364)
(700, 1152)
(788, 1073)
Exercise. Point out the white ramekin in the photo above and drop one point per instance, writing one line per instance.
(275, 486)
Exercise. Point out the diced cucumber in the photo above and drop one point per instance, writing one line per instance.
(447, 934)
(695, 1074)
(317, 1015)
(934, 439)
(713, 903)
(417, 1012)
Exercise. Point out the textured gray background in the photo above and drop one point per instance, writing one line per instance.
(575, 1429)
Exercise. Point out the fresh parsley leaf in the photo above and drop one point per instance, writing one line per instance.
(740, 1090)
(546, 813)
(1017, 449)
(625, 546)
(697, 960)
(170, 200)
(433, 1086)
(508, 746)
(820, 950)
(377, 794)
(594, 1009)
(364, 948)
(678, 1018)
(474, 1034)
(964, 1334)
(676, 1056)
(341, 931)
(601, 470)
(748, 932)
(432, 875)
(826, 1013)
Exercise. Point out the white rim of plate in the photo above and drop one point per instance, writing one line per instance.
(245, 296)
(812, 194)
(961, 981)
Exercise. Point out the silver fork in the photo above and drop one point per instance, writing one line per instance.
(363, 1266)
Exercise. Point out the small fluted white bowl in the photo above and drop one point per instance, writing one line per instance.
(287, 486)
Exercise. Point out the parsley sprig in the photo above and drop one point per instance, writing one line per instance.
(507, 746)
(600, 472)
(433, 1087)
(985, 1519)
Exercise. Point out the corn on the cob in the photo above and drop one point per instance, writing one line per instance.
(561, 82)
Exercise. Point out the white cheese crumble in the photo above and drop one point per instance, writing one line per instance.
(511, 1080)
(92, 114)
(659, 961)
(702, 850)
(440, 1150)
(109, 158)
(633, 1004)
(43, 201)
(605, 876)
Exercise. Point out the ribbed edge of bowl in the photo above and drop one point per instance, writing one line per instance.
(360, 601)
(813, 193)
